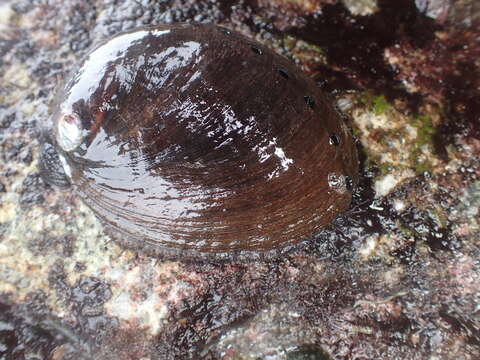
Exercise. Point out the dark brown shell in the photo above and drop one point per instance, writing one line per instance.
(196, 137)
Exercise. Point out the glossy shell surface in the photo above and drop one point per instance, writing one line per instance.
(196, 137)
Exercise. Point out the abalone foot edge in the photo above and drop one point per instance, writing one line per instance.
(188, 255)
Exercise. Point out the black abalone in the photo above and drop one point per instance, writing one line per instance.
(196, 137)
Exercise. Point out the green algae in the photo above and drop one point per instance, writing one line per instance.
(425, 133)
(419, 148)
(375, 103)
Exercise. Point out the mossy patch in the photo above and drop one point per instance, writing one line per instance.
(425, 132)
(376, 103)
(380, 104)
(394, 140)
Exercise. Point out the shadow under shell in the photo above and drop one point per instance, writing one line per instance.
(196, 137)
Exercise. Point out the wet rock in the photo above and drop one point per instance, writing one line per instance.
(33, 190)
(396, 277)
(25, 335)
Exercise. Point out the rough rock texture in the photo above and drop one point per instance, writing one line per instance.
(396, 277)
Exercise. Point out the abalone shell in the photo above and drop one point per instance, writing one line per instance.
(194, 137)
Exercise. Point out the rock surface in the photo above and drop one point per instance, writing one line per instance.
(397, 276)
